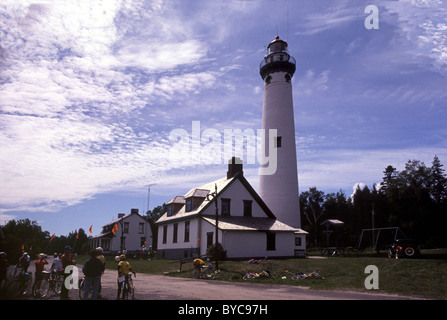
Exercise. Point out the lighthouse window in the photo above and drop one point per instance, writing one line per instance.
(288, 78)
(268, 79)
(278, 142)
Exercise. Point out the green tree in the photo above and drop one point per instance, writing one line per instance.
(312, 207)
(24, 233)
(438, 181)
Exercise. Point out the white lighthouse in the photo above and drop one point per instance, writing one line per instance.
(279, 190)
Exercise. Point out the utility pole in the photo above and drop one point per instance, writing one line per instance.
(213, 196)
(148, 195)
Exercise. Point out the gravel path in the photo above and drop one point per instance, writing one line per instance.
(155, 287)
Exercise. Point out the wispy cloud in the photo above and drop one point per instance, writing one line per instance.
(89, 91)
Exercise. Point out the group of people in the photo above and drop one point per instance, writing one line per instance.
(93, 269)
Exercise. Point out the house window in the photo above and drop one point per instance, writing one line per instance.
(174, 235)
(209, 239)
(165, 233)
(225, 210)
(141, 227)
(186, 231)
(169, 210)
(123, 242)
(278, 142)
(188, 204)
(142, 241)
(298, 242)
(271, 241)
(247, 208)
(126, 227)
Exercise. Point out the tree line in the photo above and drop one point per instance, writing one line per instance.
(24, 235)
(413, 199)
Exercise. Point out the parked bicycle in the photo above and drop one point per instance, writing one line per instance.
(250, 275)
(301, 275)
(51, 281)
(295, 276)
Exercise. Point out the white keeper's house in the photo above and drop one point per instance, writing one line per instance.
(247, 228)
(128, 231)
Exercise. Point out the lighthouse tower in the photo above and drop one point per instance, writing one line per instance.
(279, 190)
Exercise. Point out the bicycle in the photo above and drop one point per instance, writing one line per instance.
(212, 272)
(129, 289)
(20, 283)
(51, 281)
(250, 275)
(196, 272)
(315, 275)
(296, 276)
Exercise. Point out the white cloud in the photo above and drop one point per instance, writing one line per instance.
(424, 24)
(160, 56)
(89, 91)
(334, 169)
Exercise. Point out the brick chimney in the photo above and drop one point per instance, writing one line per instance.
(234, 167)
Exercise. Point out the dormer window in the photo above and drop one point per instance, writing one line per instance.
(169, 210)
(188, 204)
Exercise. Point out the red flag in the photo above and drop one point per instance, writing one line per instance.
(52, 236)
(90, 230)
(115, 228)
(77, 235)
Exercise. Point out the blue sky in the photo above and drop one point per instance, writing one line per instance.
(91, 90)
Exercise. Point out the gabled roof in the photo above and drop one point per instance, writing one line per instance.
(222, 184)
(123, 218)
(183, 214)
(177, 199)
(249, 224)
(199, 193)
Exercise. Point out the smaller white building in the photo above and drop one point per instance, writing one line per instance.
(128, 232)
(247, 228)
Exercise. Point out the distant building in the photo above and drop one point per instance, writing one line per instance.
(129, 231)
(247, 228)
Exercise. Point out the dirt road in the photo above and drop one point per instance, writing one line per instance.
(155, 287)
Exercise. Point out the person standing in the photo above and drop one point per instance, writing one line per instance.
(3, 268)
(93, 269)
(57, 263)
(40, 265)
(103, 260)
(124, 268)
(67, 260)
(24, 262)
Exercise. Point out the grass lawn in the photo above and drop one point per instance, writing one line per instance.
(423, 277)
